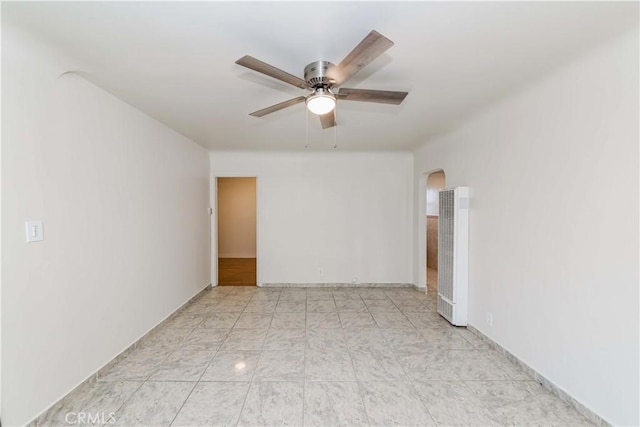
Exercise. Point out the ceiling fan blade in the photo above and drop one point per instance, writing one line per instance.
(367, 95)
(270, 70)
(328, 120)
(372, 46)
(277, 107)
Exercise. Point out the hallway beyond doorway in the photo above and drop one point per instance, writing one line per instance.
(236, 246)
(237, 271)
(435, 181)
(432, 279)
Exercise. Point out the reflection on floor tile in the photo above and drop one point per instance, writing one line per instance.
(314, 357)
(232, 366)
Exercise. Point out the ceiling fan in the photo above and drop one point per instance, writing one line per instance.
(322, 77)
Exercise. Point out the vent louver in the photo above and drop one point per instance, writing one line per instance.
(453, 242)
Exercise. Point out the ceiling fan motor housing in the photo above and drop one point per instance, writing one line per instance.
(320, 74)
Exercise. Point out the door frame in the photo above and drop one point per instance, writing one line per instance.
(214, 225)
(422, 225)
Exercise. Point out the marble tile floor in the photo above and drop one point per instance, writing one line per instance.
(314, 357)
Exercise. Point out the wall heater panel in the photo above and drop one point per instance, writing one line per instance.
(453, 254)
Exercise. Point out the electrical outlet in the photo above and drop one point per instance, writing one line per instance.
(489, 319)
(320, 271)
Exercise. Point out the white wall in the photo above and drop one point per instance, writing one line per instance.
(236, 208)
(553, 176)
(124, 202)
(347, 214)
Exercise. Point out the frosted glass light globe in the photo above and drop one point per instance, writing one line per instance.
(321, 102)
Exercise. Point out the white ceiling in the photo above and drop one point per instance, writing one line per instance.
(175, 60)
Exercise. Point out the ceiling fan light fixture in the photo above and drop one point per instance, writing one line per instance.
(321, 77)
(321, 102)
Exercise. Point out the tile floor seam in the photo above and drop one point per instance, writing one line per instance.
(360, 394)
(482, 403)
(414, 388)
(183, 403)
(424, 404)
(304, 362)
(359, 382)
(142, 383)
(246, 396)
(412, 381)
(197, 382)
(203, 372)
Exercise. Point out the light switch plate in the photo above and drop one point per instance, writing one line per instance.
(34, 231)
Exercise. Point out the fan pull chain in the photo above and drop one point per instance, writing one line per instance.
(306, 124)
(335, 127)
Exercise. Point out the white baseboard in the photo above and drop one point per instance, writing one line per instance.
(336, 285)
(546, 383)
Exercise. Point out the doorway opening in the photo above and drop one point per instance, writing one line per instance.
(236, 231)
(435, 182)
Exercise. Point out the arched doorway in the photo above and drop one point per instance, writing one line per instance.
(436, 181)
